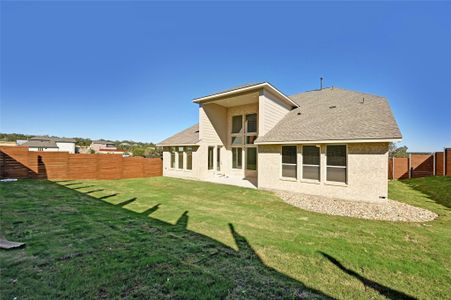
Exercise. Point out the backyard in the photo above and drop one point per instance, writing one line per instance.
(171, 238)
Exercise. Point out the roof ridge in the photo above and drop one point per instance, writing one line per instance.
(337, 88)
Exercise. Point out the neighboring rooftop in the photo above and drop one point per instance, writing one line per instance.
(187, 137)
(40, 144)
(52, 138)
(102, 142)
(335, 114)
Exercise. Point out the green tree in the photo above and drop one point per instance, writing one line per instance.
(397, 151)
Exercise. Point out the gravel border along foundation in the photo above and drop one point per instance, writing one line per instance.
(390, 210)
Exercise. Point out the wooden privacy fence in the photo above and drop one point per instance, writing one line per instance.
(420, 165)
(18, 162)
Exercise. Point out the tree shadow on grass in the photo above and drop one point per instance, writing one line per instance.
(118, 253)
(381, 289)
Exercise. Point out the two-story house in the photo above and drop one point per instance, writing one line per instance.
(50, 144)
(330, 142)
(105, 147)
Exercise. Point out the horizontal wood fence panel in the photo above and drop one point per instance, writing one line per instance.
(82, 166)
(18, 162)
(439, 164)
(420, 165)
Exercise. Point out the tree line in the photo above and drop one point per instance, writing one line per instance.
(133, 147)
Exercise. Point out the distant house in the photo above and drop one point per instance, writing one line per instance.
(105, 147)
(8, 143)
(46, 143)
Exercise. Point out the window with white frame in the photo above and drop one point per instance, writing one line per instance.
(251, 158)
(311, 162)
(336, 157)
(237, 158)
(289, 161)
(189, 158)
(180, 158)
(251, 128)
(172, 157)
(237, 130)
(210, 157)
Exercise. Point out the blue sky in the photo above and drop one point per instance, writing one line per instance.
(129, 70)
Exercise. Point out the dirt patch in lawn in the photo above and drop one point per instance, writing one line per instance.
(389, 210)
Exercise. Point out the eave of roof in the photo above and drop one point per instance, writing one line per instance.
(336, 141)
(247, 88)
(186, 137)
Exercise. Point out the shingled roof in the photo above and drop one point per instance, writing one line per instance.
(52, 138)
(335, 114)
(187, 137)
(40, 144)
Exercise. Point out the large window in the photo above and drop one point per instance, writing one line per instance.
(180, 157)
(172, 157)
(218, 158)
(336, 163)
(244, 132)
(210, 158)
(251, 128)
(289, 161)
(237, 130)
(189, 158)
(251, 123)
(237, 124)
(237, 154)
(310, 162)
(251, 158)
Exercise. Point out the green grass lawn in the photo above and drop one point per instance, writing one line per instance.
(166, 238)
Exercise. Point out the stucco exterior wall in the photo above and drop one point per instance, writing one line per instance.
(69, 147)
(180, 173)
(271, 111)
(212, 124)
(43, 149)
(367, 167)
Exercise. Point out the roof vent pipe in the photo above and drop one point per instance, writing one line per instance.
(321, 83)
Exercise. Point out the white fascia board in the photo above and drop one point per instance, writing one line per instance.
(249, 88)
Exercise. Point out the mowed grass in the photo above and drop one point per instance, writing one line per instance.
(169, 238)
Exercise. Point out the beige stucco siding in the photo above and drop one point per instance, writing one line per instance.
(271, 111)
(366, 171)
(212, 124)
(180, 173)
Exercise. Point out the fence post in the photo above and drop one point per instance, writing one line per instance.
(445, 157)
(433, 163)
(409, 164)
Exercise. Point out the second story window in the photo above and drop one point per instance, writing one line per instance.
(237, 124)
(237, 130)
(251, 128)
(251, 123)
